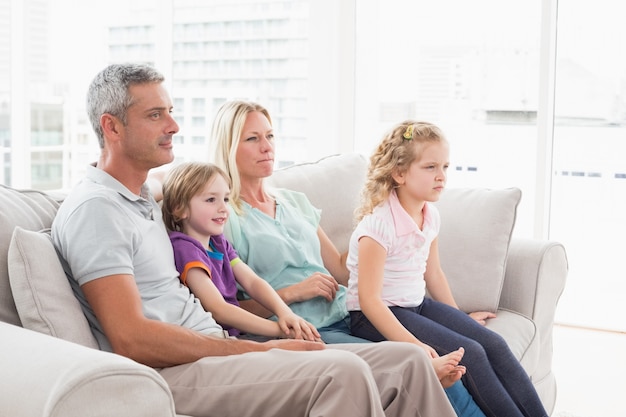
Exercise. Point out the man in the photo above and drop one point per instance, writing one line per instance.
(119, 261)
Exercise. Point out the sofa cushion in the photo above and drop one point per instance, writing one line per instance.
(29, 209)
(43, 296)
(333, 185)
(476, 229)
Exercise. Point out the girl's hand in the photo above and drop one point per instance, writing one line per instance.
(432, 353)
(482, 316)
(295, 327)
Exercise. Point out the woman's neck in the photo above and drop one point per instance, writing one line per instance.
(255, 196)
(253, 193)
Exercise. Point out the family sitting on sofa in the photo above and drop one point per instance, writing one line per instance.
(129, 284)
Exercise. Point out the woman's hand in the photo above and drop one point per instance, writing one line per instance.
(482, 316)
(317, 285)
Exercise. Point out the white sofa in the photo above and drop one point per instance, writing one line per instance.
(50, 366)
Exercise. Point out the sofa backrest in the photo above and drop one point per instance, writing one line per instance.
(332, 184)
(31, 210)
(477, 223)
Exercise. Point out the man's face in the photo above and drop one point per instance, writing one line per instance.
(149, 126)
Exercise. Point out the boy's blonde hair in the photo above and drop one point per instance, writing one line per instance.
(182, 183)
(395, 153)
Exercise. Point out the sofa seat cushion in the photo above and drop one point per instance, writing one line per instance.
(521, 334)
(43, 296)
(476, 229)
(29, 209)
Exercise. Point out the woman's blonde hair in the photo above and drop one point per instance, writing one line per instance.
(225, 135)
(395, 153)
(182, 183)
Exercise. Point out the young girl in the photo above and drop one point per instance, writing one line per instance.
(394, 258)
(195, 209)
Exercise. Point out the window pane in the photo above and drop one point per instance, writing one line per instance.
(452, 64)
(589, 187)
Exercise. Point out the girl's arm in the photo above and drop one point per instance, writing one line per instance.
(371, 274)
(438, 287)
(334, 261)
(436, 281)
(225, 313)
(290, 323)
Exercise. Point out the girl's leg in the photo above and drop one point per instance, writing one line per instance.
(506, 367)
(461, 400)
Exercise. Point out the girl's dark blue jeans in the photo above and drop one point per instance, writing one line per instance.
(494, 377)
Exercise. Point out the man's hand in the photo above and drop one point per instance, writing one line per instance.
(294, 344)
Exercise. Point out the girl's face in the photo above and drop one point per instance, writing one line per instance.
(425, 178)
(208, 210)
(255, 153)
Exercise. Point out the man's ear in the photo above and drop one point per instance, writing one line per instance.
(110, 125)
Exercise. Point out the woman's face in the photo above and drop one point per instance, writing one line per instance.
(255, 152)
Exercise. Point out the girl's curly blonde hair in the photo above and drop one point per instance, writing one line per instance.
(395, 153)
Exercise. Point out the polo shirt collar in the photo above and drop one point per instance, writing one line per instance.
(102, 177)
(403, 223)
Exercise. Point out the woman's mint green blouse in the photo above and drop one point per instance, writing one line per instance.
(286, 250)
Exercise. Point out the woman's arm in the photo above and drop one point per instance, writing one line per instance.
(225, 313)
(371, 275)
(262, 292)
(316, 285)
(334, 261)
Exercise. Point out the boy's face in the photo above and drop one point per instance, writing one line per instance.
(208, 210)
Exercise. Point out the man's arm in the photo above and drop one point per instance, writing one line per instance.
(117, 305)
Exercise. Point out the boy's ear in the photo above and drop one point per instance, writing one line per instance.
(181, 212)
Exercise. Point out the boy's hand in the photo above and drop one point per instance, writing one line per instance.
(295, 327)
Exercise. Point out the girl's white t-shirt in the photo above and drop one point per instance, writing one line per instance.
(407, 250)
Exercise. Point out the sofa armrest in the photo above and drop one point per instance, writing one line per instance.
(43, 376)
(534, 280)
(536, 272)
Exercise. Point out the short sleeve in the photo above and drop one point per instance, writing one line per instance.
(188, 256)
(111, 252)
(377, 228)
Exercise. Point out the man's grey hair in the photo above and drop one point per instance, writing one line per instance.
(108, 92)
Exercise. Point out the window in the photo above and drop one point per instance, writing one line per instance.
(336, 74)
(589, 187)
